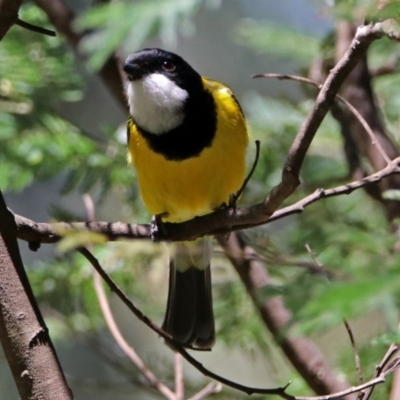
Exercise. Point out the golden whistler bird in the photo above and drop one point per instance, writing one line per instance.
(187, 140)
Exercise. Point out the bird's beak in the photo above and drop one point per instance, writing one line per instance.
(134, 70)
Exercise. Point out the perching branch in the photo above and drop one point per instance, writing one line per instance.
(228, 220)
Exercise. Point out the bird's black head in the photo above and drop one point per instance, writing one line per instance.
(149, 61)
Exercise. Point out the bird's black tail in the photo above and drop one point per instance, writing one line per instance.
(189, 318)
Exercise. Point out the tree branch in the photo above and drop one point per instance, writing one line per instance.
(364, 36)
(281, 391)
(219, 222)
(393, 349)
(23, 333)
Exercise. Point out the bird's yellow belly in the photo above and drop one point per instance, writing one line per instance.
(192, 187)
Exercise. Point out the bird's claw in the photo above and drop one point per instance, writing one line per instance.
(157, 227)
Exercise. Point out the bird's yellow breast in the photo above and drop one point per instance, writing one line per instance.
(197, 185)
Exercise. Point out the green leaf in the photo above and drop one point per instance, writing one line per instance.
(134, 22)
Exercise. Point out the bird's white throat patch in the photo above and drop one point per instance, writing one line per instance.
(156, 103)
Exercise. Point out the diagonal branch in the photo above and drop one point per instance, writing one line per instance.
(280, 391)
(364, 36)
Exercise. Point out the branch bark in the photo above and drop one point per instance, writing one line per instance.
(23, 333)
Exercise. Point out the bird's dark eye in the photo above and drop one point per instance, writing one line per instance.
(168, 66)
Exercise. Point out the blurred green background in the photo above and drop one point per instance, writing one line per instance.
(62, 134)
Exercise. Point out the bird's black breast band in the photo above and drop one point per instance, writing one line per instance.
(189, 139)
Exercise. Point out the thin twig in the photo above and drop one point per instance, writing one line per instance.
(89, 207)
(355, 352)
(316, 261)
(352, 109)
(354, 389)
(348, 188)
(35, 28)
(393, 348)
(253, 168)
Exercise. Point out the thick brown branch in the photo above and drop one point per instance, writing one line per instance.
(23, 333)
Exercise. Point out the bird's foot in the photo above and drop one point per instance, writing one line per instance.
(157, 227)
